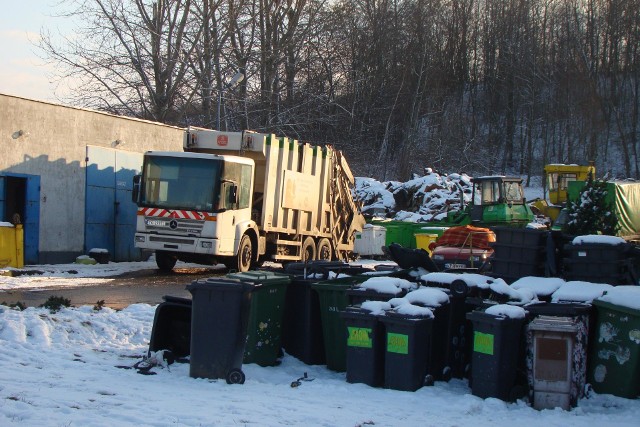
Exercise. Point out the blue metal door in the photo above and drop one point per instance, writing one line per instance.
(110, 214)
(31, 220)
(127, 165)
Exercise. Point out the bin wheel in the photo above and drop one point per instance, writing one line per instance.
(235, 376)
(459, 288)
(446, 374)
(429, 380)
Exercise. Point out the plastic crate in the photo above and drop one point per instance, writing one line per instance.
(520, 236)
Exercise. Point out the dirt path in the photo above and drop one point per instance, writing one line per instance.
(142, 286)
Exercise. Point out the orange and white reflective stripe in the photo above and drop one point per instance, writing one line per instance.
(176, 213)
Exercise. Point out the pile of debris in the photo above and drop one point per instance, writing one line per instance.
(423, 198)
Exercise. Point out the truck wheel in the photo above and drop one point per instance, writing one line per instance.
(308, 250)
(324, 250)
(245, 255)
(165, 261)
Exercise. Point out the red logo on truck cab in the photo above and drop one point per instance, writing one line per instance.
(222, 140)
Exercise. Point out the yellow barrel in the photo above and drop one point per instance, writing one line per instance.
(11, 245)
(423, 240)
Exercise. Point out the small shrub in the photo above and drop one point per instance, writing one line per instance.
(54, 303)
(99, 305)
(18, 305)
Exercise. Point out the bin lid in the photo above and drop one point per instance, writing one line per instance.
(554, 324)
(561, 309)
(219, 283)
(261, 277)
(622, 298)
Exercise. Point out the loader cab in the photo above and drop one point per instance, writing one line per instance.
(499, 200)
(558, 177)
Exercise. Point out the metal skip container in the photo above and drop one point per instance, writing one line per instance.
(554, 347)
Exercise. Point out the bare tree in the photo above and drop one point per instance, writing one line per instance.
(129, 56)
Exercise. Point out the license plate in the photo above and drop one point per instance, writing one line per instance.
(452, 266)
(155, 223)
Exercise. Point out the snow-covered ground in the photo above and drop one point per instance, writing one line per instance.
(68, 369)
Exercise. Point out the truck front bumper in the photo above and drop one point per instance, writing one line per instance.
(193, 245)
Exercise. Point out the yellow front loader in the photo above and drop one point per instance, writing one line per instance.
(557, 178)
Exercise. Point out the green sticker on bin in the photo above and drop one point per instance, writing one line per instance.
(359, 337)
(397, 343)
(483, 343)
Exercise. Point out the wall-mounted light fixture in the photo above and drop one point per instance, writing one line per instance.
(17, 134)
(116, 143)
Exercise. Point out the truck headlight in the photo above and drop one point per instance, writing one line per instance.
(475, 258)
(206, 245)
(438, 257)
(140, 239)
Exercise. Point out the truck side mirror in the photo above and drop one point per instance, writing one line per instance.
(135, 193)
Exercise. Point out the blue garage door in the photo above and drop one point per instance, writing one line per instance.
(110, 215)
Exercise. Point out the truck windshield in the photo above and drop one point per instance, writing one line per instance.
(181, 183)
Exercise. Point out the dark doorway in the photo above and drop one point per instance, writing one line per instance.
(15, 199)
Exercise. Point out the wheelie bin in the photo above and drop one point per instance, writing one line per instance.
(219, 318)
(302, 325)
(365, 346)
(333, 299)
(264, 330)
(408, 344)
(557, 340)
(614, 358)
(440, 355)
(497, 364)
(171, 330)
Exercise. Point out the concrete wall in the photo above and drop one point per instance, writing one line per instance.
(49, 140)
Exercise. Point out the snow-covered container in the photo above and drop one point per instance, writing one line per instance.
(556, 354)
(600, 259)
(614, 359)
(370, 240)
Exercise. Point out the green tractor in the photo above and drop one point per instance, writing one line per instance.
(498, 200)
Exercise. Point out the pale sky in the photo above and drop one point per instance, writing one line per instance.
(22, 72)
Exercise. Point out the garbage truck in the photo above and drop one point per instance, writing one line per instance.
(242, 198)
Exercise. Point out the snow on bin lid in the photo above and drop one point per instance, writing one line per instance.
(623, 296)
(5, 224)
(516, 296)
(471, 279)
(396, 302)
(541, 286)
(505, 310)
(598, 239)
(414, 310)
(578, 291)
(429, 297)
(375, 307)
(387, 285)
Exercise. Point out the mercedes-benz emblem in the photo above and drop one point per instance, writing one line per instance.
(173, 224)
